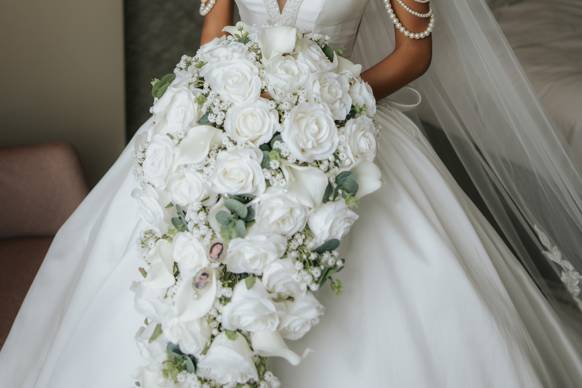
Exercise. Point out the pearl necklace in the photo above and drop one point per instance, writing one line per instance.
(413, 12)
(400, 27)
(206, 6)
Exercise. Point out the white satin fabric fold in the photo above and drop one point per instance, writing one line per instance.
(433, 297)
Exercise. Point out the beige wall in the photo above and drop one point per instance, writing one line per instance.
(61, 76)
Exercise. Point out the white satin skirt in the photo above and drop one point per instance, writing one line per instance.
(432, 296)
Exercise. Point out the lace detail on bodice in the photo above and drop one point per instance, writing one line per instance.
(286, 16)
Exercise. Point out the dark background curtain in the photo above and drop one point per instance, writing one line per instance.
(157, 33)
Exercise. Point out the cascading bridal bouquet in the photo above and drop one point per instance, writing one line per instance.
(257, 152)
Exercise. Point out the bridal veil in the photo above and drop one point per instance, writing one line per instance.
(478, 94)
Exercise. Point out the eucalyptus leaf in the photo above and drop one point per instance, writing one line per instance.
(347, 182)
(240, 228)
(328, 51)
(159, 86)
(179, 224)
(224, 218)
(190, 365)
(328, 193)
(236, 207)
(251, 215)
(204, 119)
(329, 245)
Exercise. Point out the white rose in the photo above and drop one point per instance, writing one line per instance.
(310, 54)
(369, 178)
(237, 81)
(191, 337)
(307, 184)
(360, 139)
(191, 303)
(151, 210)
(222, 50)
(278, 278)
(159, 160)
(363, 96)
(189, 252)
(277, 40)
(194, 147)
(254, 252)
(332, 89)
(255, 123)
(239, 172)
(330, 221)
(176, 111)
(228, 361)
(299, 316)
(187, 188)
(280, 212)
(310, 132)
(284, 75)
(250, 309)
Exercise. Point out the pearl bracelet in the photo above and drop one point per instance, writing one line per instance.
(400, 27)
(206, 6)
(413, 12)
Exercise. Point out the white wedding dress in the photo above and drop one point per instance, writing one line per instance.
(433, 297)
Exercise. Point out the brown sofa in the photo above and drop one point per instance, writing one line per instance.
(40, 186)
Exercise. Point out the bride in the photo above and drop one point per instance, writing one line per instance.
(434, 296)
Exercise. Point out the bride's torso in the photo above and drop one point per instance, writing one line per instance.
(339, 19)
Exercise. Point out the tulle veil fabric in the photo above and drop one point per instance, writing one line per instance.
(478, 94)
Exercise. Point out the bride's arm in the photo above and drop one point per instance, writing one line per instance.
(219, 17)
(410, 58)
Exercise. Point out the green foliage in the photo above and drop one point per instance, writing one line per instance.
(177, 362)
(204, 119)
(329, 52)
(250, 282)
(329, 193)
(329, 245)
(347, 182)
(236, 207)
(159, 86)
(180, 224)
(156, 334)
(224, 218)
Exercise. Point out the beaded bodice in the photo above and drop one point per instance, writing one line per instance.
(339, 19)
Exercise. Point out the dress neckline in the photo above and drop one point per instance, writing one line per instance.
(283, 14)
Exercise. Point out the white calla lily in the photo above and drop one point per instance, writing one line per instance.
(346, 66)
(192, 303)
(306, 183)
(194, 148)
(271, 344)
